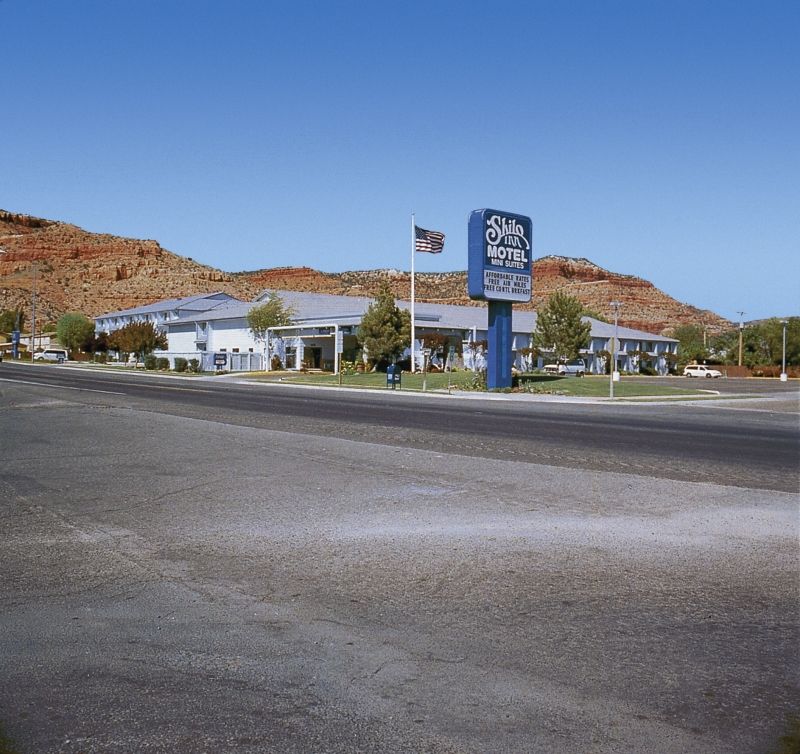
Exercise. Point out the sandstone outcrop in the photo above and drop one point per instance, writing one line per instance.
(95, 273)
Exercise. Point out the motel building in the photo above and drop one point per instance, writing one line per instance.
(206, 326)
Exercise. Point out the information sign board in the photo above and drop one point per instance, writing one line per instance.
(500, 256)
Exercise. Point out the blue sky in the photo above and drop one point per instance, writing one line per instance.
(658, 139)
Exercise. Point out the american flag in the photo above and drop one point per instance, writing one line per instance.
(428, 240)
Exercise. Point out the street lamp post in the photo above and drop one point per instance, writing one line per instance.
(784, 376)
(741, 331)
(615, 305)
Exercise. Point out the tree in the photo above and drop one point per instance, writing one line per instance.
(272, 313)
(560, 328)
(73, 330)
(762, 343)
(140, 338)
(96, 343)
(385, 330)
(769, 335)
(690, 344)
(10, 319)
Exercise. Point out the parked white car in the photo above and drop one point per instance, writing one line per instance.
(700, 370)
(575, 367)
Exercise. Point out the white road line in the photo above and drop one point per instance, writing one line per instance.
(63, 387)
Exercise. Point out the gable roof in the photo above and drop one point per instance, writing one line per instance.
(348, 310)
(198, 302)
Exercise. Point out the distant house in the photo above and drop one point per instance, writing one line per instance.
(213, 326)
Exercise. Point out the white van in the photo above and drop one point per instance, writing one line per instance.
(575, 367)
(700, 370)
(52, 354)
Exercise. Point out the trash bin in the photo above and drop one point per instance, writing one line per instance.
(393, 376)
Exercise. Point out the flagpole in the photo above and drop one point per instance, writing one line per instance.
(413, 328)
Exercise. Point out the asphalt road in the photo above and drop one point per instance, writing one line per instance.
(756, 447)
(199, 567)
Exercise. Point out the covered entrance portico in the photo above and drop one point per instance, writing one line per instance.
(307, 346)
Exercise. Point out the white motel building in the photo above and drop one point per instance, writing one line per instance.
(206, 326)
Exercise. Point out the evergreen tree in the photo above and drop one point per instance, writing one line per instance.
(385, 330)
(559, 327)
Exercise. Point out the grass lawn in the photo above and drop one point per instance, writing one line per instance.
(458, 380)
(590, 386)
(597, 386)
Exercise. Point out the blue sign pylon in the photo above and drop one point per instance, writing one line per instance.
(499, 363)
(500, 272)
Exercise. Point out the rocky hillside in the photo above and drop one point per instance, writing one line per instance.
(95, 273)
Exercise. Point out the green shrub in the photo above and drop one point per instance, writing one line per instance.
(194, 365)
(162, 362)
(181, 364)
(276, 365)
(150, 361)
(476, 382)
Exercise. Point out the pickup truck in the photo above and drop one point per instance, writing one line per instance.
(576, 367)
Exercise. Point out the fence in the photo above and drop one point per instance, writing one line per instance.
(235, 362)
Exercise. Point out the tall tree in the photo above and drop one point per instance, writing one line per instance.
(560, 328)
(385, 330)
(10, 319)
(690, 344)
(73, 330)
(770, 340)
(762, 343)
(272, 313)
(140, 338)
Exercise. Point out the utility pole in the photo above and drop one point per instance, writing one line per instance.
(741, 334)
(615, 305)
(33, 314)
(784, 376)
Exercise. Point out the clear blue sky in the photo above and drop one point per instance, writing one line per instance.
(654, 138)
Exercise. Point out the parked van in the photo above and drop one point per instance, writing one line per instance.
(575, 367)
(699, 370)
(52, 354)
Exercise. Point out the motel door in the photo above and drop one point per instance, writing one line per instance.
(313, 357)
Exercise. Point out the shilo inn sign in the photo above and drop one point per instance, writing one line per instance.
(499, 256)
